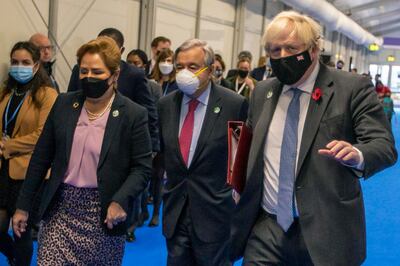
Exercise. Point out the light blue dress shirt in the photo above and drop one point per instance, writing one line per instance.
(199, 115)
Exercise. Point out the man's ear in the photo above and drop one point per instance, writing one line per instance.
(122, 50)
(314, 53)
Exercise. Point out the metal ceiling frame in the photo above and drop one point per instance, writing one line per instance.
(385, 14)
(370, 5)
(384, 26)
(388, 31)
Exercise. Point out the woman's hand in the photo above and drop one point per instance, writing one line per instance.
(19, 222)
(249, 82)
(115, 215)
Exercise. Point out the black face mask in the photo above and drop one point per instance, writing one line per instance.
(243, 73)
(93, 87)
(291, 69)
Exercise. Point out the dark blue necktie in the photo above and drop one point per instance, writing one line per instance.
(287, 166)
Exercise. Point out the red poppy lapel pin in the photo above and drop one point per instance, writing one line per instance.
(317, 94)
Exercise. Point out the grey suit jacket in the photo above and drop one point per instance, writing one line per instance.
(328, 194)
(203, 185)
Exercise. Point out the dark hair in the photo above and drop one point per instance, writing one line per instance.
(114, 34)
(218, 58)
(164, 54)
(39, 80)
(245, 54)
(157, 40)
(142, 55)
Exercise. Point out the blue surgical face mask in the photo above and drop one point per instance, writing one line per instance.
(22, 74)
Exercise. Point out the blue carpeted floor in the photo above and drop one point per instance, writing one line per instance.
(382, 204)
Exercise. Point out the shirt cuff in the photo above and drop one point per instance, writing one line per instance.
(360, 165)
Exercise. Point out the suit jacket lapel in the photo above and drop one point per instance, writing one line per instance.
(74, 110)
(260, 128)
(315, 112)
(113, 123)
(209, 121)
(174, 127)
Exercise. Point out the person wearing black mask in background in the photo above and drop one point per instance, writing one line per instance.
(219, 69)
(315, 131)
(242, 83)
(242, 55)
(46, 55)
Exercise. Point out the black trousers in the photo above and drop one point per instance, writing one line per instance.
(185, 248)
(268, 244)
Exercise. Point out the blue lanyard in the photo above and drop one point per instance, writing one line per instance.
(6, 121)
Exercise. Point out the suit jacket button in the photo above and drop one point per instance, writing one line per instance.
(184, 197)
(299, 187)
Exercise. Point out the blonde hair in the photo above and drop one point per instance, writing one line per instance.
(301, 26)
(106, 47)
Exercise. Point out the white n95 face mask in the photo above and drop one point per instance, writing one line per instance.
(187, 82)
(165, 68)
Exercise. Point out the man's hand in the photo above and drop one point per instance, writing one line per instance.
(19, 222)
(342, 152)
(115, 215)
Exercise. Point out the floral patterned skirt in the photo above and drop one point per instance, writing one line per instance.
(72, 232)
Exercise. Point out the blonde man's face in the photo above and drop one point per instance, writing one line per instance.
(286, 44)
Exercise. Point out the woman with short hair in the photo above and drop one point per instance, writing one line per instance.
(98, 146)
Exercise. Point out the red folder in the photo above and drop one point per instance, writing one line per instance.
(239, 141)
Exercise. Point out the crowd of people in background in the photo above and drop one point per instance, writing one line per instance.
(76, 143)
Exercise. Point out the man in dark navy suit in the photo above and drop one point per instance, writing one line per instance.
(262, 72)
(132, 83)
(198, 205)
(157, 44)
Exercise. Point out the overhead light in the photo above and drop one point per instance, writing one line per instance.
(373, 47)
(391, 58)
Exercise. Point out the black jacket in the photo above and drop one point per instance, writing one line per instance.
(132, 83)
(125, 158)
(328, 194)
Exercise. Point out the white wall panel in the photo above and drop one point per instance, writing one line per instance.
(221, 9)
(176, 26)
(220, 37)
(253, 28)
(81, 21)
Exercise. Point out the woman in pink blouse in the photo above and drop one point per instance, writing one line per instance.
(97, 144)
